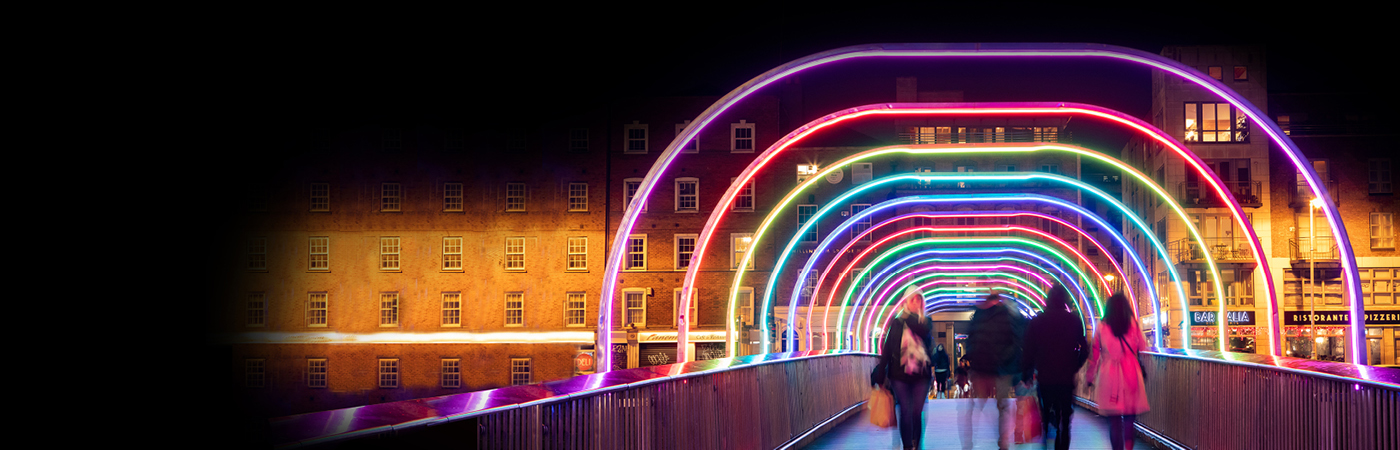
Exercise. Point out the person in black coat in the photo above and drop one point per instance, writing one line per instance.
(941, 361)
(906, 360)
(993, 351)
(1055, 349)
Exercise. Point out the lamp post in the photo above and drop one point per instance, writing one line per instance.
(1312, 273)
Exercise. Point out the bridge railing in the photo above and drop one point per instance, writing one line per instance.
(751, 402)
(1214, 400)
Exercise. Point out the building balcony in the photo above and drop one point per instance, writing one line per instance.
(1302, 194)
(1201, 195)
(1325, 255)
(1221, 249)
(1014, 135)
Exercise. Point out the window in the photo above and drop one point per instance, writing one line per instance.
(254, 373)
(637, 252)
(257, 309)
(861, 173)
(1006, 167)
(452, 309)
(391, 139)
(806, 171)
(746, 305)
(452, 253)
(515, 197)
(685, 249)
(578, 196)
(1216, 72)
(743, 200)
(389, 253)
(1050, 168)
(316, 373)
(515, 309)
(390, 196)
(320, 257)
(1382, 230)
(1379, 183)
(861, 225)
(317, 305)
(574, 309)
(742, 137)
(451, 373)
(578, 140)
(636, 135)
(388, 309)
(740, 243)
(515, 253)
(635, 302)
(453, 141)
(452, 196)
(257, 253)
(519, 371)
(1241, 73)
(692, 316)
(804, 214)
(1380, 286)
(320, 196)
(388, 373)
(630, 187)
(687, 194)
(691, 146)
(578, 253)
(1215, 122)
(809, 286)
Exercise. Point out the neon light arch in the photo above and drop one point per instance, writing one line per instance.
(990, 50)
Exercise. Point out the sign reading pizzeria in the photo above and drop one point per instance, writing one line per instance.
(1339, 318)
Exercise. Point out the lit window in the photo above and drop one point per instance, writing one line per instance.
(316, 373)
(320, 196)
(861, 173)
(630, 187)
(691, 146)
(1285, 124)
(578, 139)
(452, 253)
(515, 309)
(257, 309)
(317, 304)
(515, 197)
(685, 250)
(574, 305)
(635, 302)
(515, 253)
(254, 373)
(742, 137)
(451, 373)
(805, 171)
(740, 243)
(578, 253)
(743, 200)
(520, 371)
(388, 309)
(1241, 73)
(861, 225)
(452, 196)
(578, 196)
(391, 196)
(692, 316)
(389, 253)
(1379, 182)
(257, 253)
(1215, 122)
(320, 256)
(1382, 230)
(1216, 72)
(804, 214)
(746, 305)
(687, 194)
(451, 309)
(636, 135)
(388, 373)
(637, 252)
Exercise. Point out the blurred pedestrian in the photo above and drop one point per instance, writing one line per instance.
(1054, 351)
(906, 359)
(993, 352)
(940, 371)
(1118, 383)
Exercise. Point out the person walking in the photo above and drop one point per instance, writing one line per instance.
(906, 360)
(1118, 383)
(941, 362)
(1054, 351)
(993, 351)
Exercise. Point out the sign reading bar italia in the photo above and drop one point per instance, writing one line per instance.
(1206, 318)
(670, 336)
(1339, 317)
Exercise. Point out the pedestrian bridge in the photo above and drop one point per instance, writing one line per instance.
(1200, 399)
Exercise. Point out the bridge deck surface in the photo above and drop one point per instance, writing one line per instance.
(1088, 430)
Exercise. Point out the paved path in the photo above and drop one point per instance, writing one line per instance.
(941, 431)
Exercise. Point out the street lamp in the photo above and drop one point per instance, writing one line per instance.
(1312, 271)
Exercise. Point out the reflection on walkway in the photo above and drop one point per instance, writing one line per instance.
(941, 431)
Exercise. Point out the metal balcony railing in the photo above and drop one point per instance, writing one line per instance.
(1302, 250)
(979, 137)
(1221, 249)
(1201, 195)
(1302, 194)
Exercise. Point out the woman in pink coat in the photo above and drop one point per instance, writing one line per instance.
(1116, 376)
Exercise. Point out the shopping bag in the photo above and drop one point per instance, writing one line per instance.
(1027, 419)
(881, 406)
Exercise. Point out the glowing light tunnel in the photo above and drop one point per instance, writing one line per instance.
(1080, 51)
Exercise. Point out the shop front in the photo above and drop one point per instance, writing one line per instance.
(659, 347)
(1322, 335)
(1205, 334)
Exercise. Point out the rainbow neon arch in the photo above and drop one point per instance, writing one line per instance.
(1291, 150)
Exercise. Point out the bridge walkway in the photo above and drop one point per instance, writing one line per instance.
(1089, 431)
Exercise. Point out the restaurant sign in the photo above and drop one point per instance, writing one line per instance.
(1208, 318)
(1339, 318)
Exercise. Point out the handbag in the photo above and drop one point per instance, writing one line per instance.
(1027, 419)
(881, 406)
(1141, 369)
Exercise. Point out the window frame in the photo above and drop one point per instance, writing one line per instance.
(675, 307)
(1240, 73)
(517, 194)
(1382, 232)
(735, 140)
(570, 253)
(861, 225)
(745, 192)
(814, 234)
(390, 249)
(1235, 130)
(320, 194)
(256, 254)
(632, 254)
(519, 298)
(255, 373)
(517, 363)
(576, 302)
(578, 201)
(862, 173)
(736, 256)
(388, 373)
(1374, 185)
(578, 139)
(628, 309)
(628, 192)
(452, 252)
(691, 146)
(317, 373)
(453, 193)
(388, 309)
(745, 303)
(390, 197)
(677, 260)
(451, 310)
(450, 373)
(628, 139)
(318, 313)
(322, 256)
(256, 308)
(695, 208)
(514, 261)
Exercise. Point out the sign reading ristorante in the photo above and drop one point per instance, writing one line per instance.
(1339, 317)
(1207, 318)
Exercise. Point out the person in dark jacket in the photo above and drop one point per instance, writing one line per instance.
(940, 371)
(1055, 349)
(993, 352)
(906, 360)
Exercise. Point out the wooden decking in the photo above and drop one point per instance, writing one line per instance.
(1088, 431)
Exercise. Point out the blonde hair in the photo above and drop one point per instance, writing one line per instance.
(914, 294)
